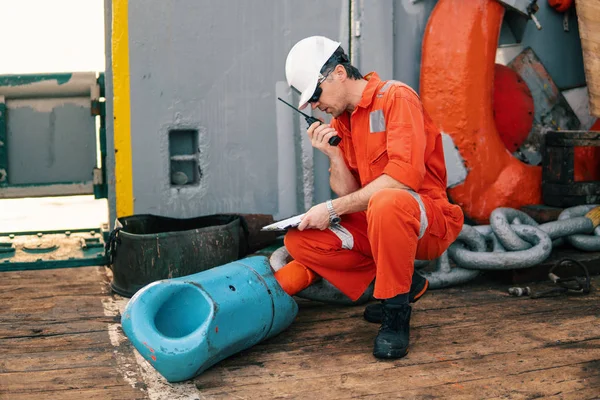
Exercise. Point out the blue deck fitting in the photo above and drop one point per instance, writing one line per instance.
(183, 326)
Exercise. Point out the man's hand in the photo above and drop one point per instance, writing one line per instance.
(319, 135)
(316, 218)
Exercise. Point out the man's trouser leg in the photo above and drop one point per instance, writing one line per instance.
(395, 220)
(402, 226)
(341, 255)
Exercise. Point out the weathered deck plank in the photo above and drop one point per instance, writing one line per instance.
(466, 342)
(112, 393)
(54, 338)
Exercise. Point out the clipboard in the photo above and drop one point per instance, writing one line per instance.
(282, 225)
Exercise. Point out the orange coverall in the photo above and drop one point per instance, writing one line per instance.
(389, 133)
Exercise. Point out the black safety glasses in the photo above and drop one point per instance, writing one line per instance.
(318, 91)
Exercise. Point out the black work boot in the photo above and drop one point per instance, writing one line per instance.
(418, 287)
(392, 339)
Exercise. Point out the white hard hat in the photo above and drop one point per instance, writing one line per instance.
(304, 62)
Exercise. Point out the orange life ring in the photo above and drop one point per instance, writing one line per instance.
(457, 81)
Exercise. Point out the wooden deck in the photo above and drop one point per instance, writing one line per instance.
(60, 339)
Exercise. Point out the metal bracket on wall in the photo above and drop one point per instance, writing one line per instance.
(51, 249)
(525, 7)
(518, 13)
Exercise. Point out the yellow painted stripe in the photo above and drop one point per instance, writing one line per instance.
(122, 108)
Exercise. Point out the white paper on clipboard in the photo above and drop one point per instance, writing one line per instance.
(282, 225)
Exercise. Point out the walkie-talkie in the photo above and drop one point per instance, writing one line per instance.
(333, 141)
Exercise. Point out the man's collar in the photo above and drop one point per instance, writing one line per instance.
(373, 81)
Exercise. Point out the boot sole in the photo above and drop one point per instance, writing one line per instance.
(390, 354)
(375, 316)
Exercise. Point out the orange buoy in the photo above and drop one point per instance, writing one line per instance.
(457, 81)
(513, 107)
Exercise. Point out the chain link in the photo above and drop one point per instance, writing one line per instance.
(518, 241)
(513, 240)
(500, 222)
(538, 241)
(581, 242)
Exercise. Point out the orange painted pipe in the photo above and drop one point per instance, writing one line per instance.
(457, 80)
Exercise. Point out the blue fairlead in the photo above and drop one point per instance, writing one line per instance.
(183, 326)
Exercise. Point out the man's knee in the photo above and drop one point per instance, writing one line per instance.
(292, 240)
(297, 242)
(386, 202)
(300, 244)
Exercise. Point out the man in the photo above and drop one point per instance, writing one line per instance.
(390, 176)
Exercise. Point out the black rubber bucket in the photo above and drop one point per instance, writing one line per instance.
(148, 248)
